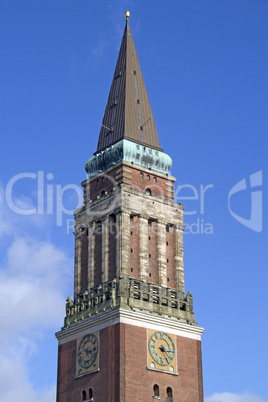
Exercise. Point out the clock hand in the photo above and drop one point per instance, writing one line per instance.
(88, 350)
(163, 348)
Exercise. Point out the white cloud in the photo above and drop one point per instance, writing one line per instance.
(234, 397)
(34, 277)
(14, 383)
(30, 295)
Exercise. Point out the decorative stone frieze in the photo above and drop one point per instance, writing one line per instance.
(132, 294)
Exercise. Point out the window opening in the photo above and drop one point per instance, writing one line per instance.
(156, 390)
(169, 392)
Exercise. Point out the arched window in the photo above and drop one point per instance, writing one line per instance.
(84, 395)
(148, 191)
(169, 394)
(156, 390)
(90, 394)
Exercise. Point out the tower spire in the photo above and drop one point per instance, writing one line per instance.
(128, 114)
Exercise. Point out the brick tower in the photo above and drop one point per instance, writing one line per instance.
(129, 333)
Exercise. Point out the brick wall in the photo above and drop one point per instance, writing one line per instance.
(105, 383)
(123, 374)
(138, 179)
(170, 254)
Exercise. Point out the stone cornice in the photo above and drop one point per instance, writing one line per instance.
(139, 319)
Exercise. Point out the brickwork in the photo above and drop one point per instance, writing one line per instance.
(138, 179)
(107, 252)
(186, 387)
(105, 383)
(123, 375)
(170, 255)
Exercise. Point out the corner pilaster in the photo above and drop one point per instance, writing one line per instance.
(161, 253)
(105, 249)
(143, 229)
(91, 254)
(122, 244)
(179, 263)
(77, 264)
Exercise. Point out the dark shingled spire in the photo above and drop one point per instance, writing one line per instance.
(128, 113)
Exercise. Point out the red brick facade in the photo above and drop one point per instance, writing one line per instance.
(123, 374)
(138, 179)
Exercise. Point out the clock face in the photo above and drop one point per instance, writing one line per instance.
(161, 348)
(87, 351)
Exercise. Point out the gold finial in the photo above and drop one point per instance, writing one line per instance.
(127, 14)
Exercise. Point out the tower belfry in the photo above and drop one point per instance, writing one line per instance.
(130, 332)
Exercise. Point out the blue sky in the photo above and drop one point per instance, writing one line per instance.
(205, 68)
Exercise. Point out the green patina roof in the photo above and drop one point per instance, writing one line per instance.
(131, 152)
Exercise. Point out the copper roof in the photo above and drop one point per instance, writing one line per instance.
(128, 113)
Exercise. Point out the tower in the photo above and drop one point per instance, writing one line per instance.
(129, 333)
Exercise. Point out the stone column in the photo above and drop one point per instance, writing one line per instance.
(91, 255)
(179, 263)
(122, 244)
(143, 232)
(105, 249)
(77, 264)
(161, 253)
